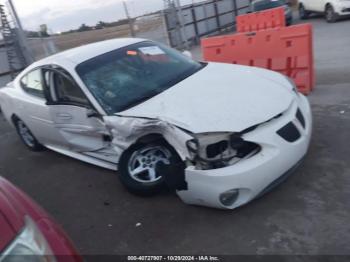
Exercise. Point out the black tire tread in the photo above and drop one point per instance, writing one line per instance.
(37, 146)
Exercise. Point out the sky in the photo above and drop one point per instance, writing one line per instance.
(62, 15)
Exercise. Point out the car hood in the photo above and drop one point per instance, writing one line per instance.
(8, 234)
(220, 97)
(10, 221)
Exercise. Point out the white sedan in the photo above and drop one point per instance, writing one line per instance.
(220, 135)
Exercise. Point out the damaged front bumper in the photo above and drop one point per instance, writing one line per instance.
(247, 179)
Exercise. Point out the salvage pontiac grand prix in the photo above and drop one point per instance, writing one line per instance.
(219, 134)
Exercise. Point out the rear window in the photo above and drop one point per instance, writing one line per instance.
(32, 83)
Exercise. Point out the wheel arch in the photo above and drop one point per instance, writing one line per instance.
(14, 119)
(156, 137)
(174, 175)
(153, 137)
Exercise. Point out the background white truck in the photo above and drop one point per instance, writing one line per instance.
(332, 9)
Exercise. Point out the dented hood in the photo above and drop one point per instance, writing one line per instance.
(220, 97)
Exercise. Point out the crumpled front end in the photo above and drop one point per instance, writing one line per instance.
(284, 142)
(232, 168)
(128, 130)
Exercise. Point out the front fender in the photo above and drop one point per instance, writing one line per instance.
(126, 131)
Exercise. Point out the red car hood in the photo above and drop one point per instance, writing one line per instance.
(7, 232)
(10, 221)
(14, 206)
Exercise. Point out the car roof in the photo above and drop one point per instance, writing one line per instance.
(83, 53)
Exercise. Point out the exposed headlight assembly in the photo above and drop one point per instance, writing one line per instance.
(30, 245)
(217, 150)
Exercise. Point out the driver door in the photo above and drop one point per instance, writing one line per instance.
(80, 128)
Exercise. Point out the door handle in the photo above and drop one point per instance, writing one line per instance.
(64, 116)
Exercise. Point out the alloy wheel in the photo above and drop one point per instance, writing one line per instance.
(25, 133)
(143, 163)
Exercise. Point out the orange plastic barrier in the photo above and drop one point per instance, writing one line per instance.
(288, 50)
(267, 19)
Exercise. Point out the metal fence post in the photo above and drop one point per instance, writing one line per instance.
(217, 15)
(194, 18)
(184, 40)
(22, 39)
(165, 27)
(235, 7)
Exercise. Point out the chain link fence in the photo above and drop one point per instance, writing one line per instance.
(148, 26)
(180, 27)
(187, 24)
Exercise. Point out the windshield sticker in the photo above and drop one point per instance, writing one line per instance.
(151, 50)
(130, 52)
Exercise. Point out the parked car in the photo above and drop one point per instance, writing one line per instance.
(332, 9)
(28, 233)
(219, 134)
(260, 5)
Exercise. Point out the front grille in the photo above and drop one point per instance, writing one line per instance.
(289, 133)
(301, 118)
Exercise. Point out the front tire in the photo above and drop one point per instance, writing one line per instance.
(138, 167)
(331, 15)
(27, 137)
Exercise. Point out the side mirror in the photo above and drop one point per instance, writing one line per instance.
(92, 113)
(188, 54)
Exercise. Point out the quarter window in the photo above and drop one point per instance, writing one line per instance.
(32, 83)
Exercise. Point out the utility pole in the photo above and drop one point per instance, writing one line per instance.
(21, 35)
(131, 24)
(181, 20)
(14, 13)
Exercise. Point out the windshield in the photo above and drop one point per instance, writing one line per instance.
(267, 4)
(128, 76)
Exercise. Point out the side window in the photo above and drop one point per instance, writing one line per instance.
(32, 83)
(66, 91)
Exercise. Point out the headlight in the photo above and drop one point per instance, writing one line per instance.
(217, 150)
(30, 245)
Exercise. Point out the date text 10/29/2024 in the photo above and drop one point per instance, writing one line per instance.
(174, 258)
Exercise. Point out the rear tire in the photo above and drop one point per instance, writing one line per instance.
(27, 137)
(303, 13)
(330, 14)
(138, 167)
